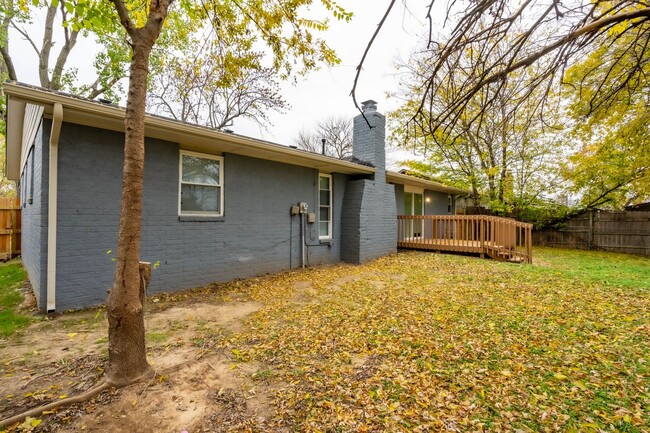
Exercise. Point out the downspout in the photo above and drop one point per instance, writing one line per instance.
(57, 120)
(302, 240)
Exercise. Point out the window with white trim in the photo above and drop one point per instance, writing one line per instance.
(201, 184)
(325, 206)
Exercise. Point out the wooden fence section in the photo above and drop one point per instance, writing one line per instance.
(9, 228)
(625, 232)
(500, 238)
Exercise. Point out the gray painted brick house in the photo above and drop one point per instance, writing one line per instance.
(216, 206)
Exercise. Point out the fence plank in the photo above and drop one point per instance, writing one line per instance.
(9, 228)
(625, 232)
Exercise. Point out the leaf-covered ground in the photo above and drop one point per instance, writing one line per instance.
(424, 342)
(412, 342)
(429, 342)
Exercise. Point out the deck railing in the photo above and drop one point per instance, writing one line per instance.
(500, 238)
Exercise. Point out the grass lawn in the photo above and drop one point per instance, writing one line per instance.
(412, 342)
(12, 276)
(430, 342)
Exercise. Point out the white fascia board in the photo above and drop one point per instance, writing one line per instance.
(190, 137)
(405, 179)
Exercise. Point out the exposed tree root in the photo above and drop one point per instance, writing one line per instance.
(57, 404)
(89, 394)
(40, 376)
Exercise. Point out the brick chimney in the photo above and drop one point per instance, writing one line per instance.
(369, 142)
(369, 214)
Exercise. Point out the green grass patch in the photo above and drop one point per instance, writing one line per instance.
(599, 267)
(12, 276)
(155, 337)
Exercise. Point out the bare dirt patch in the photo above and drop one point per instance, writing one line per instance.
(66, 355)
(304, 293)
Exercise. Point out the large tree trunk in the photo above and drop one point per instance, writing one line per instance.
(126, 345)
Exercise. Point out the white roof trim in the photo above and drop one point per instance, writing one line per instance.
(405, 179)
(190, 137)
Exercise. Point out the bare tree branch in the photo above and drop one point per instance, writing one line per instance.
(353, 92)
(25, 35)
(337, 133)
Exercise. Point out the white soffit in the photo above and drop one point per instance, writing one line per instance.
(33, 116)
(15, 118)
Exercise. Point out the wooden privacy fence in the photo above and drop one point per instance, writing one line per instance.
(625, 232)
(500, 238)
(9, 228)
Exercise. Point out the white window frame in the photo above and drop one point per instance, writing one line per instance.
(329, 225)
(180, 183)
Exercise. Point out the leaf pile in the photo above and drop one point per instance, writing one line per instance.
(429, 342)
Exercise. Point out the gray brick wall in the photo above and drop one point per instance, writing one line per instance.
(252, 238)
(369, 213)
(369, 221)
(368, 143)
(34, 214)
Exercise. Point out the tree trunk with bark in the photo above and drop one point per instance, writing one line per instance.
(127, 359)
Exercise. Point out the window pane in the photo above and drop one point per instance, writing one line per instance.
(324, 214)
(408, 203)
(324, 182)
(325, 198)
(417, 206)
(200, 170)
(196, 198)
(323, 229)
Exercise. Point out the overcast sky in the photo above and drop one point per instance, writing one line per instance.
(322, 93)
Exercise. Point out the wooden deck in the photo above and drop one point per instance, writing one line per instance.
(500, 238)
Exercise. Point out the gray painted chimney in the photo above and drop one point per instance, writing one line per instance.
(369, 143)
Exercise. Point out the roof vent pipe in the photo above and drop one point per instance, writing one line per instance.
(322, 140)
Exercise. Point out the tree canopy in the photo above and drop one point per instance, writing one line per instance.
(503, 158)
(611, 123)
(60, 25)
(584, 61)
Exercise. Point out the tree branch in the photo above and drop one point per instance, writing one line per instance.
(24, 34)
(44, 55)
(353, 92)
(125, 20)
